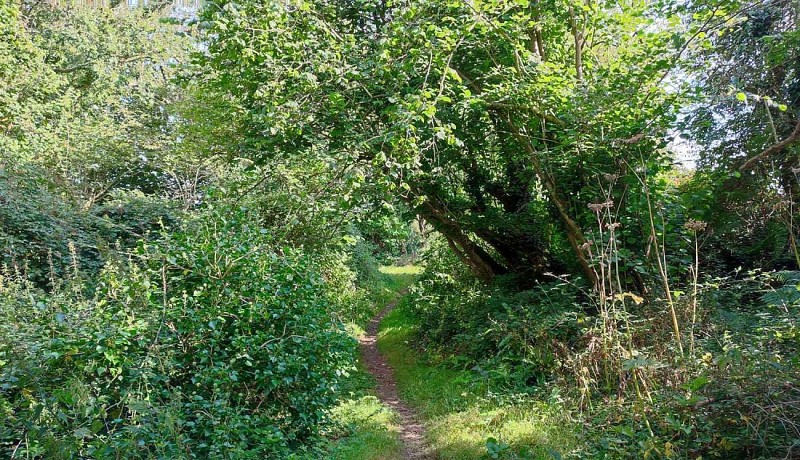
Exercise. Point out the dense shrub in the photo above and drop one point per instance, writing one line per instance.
(43, 235)
(215, 342)
(37, 225)
(509, 336)
(362, 261)
(732, 395)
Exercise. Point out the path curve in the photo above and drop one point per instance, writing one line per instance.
(412, 432)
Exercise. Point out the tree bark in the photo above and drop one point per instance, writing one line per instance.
(773, 149)
(577, 35)
(483, 265)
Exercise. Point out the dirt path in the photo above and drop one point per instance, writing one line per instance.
(412, 433)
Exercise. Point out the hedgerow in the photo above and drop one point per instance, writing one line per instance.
(214, 342)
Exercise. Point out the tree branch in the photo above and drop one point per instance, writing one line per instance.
(773, 149)
(577, 35)
(476, 88)
(82, 66)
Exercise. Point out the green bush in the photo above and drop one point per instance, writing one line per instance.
(44, 235)
(363, 263)
(213, 343)
(507, 336)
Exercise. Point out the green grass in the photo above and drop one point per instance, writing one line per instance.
(404, 273)
(394, 280)
(374, 431)
(459, 415)
(366, 430)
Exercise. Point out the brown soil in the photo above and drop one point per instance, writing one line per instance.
(412, 433)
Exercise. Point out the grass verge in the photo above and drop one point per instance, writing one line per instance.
(464, 420)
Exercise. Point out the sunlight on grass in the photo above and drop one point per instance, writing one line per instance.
(401, 270)
(367, 429)
(374, 431)
(397, 279)
(535, 426)
(354, 330)
(458, 416)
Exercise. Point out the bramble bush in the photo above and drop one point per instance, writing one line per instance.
(215, 342)
(43, 234)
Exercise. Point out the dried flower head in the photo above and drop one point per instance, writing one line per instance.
(695, 225)
(614, 225)
(585, 246)
(597, 207)
(611, 177)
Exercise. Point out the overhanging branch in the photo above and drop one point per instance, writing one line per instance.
(773, 149)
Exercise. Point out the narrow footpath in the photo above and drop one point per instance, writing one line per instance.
(412, 432)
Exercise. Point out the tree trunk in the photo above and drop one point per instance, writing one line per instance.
(577, 35)
(483, 265)
(574, 233)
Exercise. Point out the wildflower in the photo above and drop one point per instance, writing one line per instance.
(695, 225)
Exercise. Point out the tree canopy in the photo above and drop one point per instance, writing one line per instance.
(498, 122)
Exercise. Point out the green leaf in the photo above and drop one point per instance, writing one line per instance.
(697, 383)
(741, 97)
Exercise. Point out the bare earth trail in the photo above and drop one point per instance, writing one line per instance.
(412, 432)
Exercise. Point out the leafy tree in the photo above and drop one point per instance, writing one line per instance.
(91, 132)
(498, 122)
(92, 99)
(747, 128)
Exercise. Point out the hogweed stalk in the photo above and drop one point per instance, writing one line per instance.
(694, 226)
(661, 262)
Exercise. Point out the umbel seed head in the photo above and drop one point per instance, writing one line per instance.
(695, 225)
